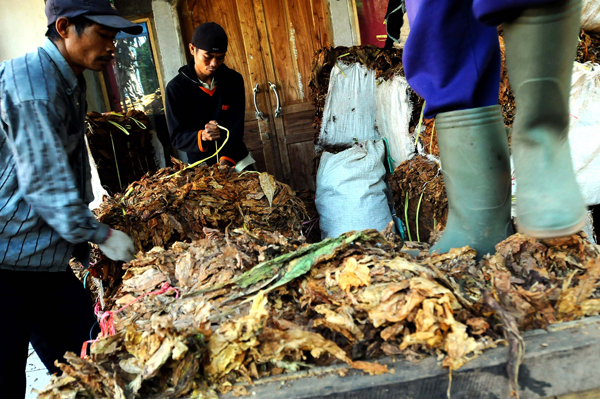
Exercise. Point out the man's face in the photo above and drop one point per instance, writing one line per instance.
(93, 49)
(206, 63)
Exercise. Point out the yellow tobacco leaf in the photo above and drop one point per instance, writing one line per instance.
(340, 321)
(391, 331)
(371, 368)
(229, 343)
(269, 186)
(144, 282)
(159, 358)
(354, 274)
(458, 345)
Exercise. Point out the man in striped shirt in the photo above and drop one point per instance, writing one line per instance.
(45, 188)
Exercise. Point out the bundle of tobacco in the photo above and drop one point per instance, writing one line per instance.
(204, 319)
(121, 146)
(386, 63)
(588, 48)
(420, 198)
(177, 204)
(544, 282)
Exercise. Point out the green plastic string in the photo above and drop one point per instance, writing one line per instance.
(340, 68)
(420, 123)
(140, 124)
(417, 215)
(116, 162)
(249, 171)
(406, 216)
(431, 139)
(119, 127)
(205, 159)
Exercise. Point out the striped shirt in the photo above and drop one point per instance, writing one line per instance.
(44, 170)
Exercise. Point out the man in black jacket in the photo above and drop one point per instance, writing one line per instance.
(206, 93)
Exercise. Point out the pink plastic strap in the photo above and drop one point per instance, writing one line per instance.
(106, 319)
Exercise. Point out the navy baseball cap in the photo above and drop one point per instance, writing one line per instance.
(102, 12)
(210, 37)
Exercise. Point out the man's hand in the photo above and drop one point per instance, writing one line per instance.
(211, 132)
(225, 164)
(118, 246)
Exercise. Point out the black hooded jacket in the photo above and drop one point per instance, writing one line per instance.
(189, 107)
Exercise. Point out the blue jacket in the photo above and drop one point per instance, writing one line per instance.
(44, 169)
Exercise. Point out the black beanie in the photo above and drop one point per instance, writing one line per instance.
(210, 37)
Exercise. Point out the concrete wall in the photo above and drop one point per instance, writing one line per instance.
(22, 27)
(170, 41)
(344, 21)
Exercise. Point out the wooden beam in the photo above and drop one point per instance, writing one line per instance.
(563, 360)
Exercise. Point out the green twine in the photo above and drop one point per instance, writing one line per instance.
(406, 216)
(116, 162)
(417, 215)
(420, 123)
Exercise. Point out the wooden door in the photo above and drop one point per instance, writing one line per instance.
(272, 41)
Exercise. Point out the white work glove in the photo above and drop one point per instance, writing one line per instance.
(118, 246)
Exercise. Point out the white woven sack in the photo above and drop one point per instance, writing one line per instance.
(584, 129)
(351, 190)
(349, 113)
(590, 15)
(392, 120)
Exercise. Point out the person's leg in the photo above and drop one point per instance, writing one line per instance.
(541, 44)
(476, 165)
(453, 61)
(15, 297)
(450, 58)
(63, 323)
(493, 12)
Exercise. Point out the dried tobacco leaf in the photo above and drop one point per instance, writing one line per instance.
(269, 186)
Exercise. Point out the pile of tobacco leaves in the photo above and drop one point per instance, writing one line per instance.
(178, 204)
(121, 146)
(235, 306)
(420, 198)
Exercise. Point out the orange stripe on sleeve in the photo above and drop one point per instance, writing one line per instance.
(200, 141)
(228, 159)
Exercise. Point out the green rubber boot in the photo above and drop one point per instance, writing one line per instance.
(476, 166)
(540, 49)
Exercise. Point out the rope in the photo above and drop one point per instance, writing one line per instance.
(417, 215)
(419, 204)
(205, 159)
(106, 320)
(116, 162)
(406, 215)
(420, 123)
